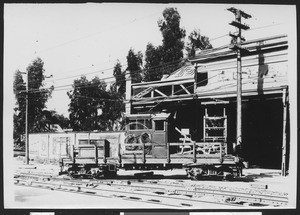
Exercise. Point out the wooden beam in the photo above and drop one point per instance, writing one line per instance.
(162, 83)
(210, 95)
(283, 162)
(156, 90)
(183, 87)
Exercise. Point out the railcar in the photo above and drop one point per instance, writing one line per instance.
(146, 146)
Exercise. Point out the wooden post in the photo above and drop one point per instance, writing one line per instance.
(96, 153)
(128, 94)
(167, 142)
(119, 149)
(144, 154)
(283, 162)
(194, 152)
(27, 123)
(195, 76)
(74, 155)
(237, 46)
(239, 86)
(221, 152)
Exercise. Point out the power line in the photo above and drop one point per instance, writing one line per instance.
(111, 77)
(192, 85)
(149, 69)
(100, 32)
(141, 70)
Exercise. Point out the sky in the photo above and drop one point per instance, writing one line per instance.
(77, 39)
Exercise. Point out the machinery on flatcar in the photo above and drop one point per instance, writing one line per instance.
(146, 146)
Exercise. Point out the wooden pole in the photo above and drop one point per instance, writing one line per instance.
(128, 94)
(238, 47)
(239, 86)
(27, 124)
(283, 162)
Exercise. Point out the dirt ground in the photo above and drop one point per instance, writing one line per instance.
(28, 197)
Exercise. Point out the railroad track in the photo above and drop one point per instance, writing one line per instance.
(174, 194)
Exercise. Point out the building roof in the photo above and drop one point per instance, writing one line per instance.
(264, 68)
(183, 72)
(225, 52)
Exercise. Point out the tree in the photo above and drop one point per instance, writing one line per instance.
(52, 117)
(166, 58)
(37, 98)
(113, 109)
(92, 107)
(19, 110)
(153, 61)
(134, 65)
(61, 120)
(197, 41)
(87, 103)
(37, 95)
(173, 37)
(120, 78)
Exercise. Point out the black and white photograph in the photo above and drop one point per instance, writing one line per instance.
(142, 106)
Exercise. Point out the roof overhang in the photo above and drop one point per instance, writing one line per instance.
(209, 95)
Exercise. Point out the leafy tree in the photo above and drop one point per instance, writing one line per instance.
(61, 120)
(153, 61)
(87, 103)
(114, 108)
(134, 65)
(52, 117)
(173, 37)
(19, 114)
(166, 58)
(37, 98)
(120, 78)
(197, 41)
(92, 107)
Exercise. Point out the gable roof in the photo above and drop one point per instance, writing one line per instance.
(183, 72)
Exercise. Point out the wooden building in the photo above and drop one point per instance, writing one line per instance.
(201, 97)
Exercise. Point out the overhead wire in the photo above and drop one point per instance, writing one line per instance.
(192, 85)
(99, 32)
(107, 69)
(134, 72)
(110, 77)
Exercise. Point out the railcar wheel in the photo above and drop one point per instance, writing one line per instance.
(200, 173)
(109, 174)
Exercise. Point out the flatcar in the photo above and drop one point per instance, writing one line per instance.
(146, 146)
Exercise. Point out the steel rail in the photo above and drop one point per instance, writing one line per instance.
(86, 191)
(83, 188)
(231, 196)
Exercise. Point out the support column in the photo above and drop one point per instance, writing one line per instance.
(195, 77)
(237, 46)
(239, 100)
(239, 87)
(283, 162)
(128, 94)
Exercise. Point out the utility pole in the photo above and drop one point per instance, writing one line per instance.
(237, 47)
(26, 121)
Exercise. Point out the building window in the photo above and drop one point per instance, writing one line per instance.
(83, 142)
(159, 125)
(140, 124)
(202, 79)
